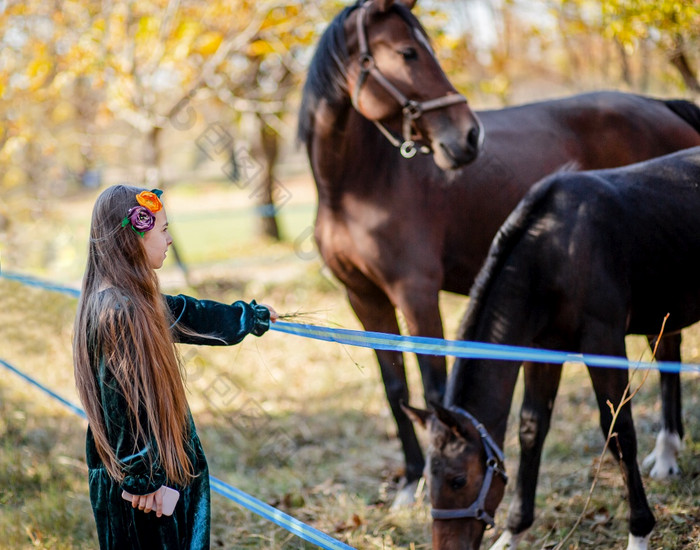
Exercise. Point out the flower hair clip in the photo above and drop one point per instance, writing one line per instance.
(142, 217)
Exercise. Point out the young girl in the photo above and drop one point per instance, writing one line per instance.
(141, 438)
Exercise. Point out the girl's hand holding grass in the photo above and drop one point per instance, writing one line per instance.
(273, 314)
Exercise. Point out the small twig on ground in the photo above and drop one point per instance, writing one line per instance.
(615, 413)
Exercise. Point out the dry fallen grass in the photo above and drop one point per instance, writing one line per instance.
(304, 425)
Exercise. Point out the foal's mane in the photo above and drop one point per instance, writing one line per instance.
(503, 243)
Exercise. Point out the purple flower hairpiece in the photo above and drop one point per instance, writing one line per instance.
(142, 217)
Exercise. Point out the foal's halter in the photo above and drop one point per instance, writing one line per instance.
(494, 465)
(411, 109)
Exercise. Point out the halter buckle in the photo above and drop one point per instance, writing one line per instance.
(408, 149)
(412, 110)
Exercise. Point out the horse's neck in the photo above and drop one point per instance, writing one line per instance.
(485, 389)
(346, 154)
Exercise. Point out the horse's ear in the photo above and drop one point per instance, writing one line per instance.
(459, 425)
(417, 416)
(446, 416)
(384, 5)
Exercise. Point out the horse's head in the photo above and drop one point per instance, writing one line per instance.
(465, 476)
(395, 79)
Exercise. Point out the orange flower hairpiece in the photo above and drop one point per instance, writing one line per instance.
(150, 199)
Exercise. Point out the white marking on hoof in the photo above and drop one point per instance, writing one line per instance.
(663, 458)
(405, 497)
(638, 543)
(507, 541)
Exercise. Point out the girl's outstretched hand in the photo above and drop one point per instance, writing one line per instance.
(273, 314)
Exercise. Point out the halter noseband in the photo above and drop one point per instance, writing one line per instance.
(494, 460)
(411, 109)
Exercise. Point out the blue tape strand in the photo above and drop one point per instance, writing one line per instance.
(429, 346)
(256, 506)
(276, 516)
(38, 283)
(468, 350)
(77, 410)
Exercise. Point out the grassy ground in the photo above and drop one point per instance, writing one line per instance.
(299, 424)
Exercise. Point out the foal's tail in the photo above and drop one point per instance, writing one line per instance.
(687, 110)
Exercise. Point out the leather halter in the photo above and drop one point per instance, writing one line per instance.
(411, 109)
(494, 465)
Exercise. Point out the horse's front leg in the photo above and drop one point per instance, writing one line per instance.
(610, 385)
(419, 304)
(417, 298)
(376, 313)
(663, 459)
(541, 386)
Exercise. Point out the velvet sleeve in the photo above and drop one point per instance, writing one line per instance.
(214, 323)
(139, 477)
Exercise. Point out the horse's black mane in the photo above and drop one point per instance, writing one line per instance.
(325, 76)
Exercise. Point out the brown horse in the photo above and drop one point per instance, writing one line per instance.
(585, 258)
(393, 226)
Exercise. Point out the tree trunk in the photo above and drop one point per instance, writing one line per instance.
(645, 76)
(152, 159)
(679, 60)
(570, 49)
(625, 72)
(269, 148)
(153, 178)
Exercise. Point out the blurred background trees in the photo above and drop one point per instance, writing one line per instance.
(162, 91)
(89, 87)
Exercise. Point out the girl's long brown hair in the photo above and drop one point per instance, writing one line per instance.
(128, 326)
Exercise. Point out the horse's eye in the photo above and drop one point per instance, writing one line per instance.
(458, 482)
(409, 54)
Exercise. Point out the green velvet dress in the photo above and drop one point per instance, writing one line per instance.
(119, 526)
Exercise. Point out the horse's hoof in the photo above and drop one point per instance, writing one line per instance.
(665, 470)
(405, 496)
(638, 543)
(507, 541)
(662, 460)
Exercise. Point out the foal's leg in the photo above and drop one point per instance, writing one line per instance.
(609, 385)
(376, 313)
(541, 385)
(663, 459)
